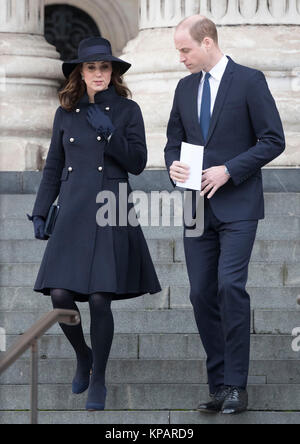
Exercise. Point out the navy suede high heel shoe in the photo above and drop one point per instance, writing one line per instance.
(81, 381)
(96, 397)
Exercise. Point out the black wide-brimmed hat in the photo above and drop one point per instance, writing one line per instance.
(94, 49)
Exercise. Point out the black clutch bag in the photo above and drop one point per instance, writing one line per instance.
(51, 219)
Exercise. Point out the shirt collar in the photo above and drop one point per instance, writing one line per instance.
(107, 96)
(218, 70)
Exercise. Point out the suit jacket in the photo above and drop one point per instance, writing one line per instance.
(245, 134)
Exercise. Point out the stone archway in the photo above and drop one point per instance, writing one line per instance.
(66, 26)
(115, 23)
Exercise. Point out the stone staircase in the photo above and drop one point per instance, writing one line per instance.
(156, 372)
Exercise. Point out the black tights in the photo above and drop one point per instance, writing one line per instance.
(102, 330)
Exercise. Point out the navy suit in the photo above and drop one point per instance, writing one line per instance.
(245, 134)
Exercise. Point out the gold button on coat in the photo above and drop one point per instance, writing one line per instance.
(70, 169)
(99, 138)
(100, 168)
(72, 140)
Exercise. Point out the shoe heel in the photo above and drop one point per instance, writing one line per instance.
(93, 406)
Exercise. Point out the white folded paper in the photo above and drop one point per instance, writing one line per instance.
(192, 155)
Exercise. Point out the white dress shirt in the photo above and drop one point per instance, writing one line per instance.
(216, 76)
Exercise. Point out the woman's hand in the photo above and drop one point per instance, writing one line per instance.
(39, 228)
(100, 121)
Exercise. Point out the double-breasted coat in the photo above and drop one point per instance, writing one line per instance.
(81, 255)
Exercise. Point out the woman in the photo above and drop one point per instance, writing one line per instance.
(98, 138)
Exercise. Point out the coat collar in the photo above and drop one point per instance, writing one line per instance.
(103, 97)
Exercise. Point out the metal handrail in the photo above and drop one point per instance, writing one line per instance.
(30, 339)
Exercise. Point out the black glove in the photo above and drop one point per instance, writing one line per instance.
(39, 227)
(100, 121)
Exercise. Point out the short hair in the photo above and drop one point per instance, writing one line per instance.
(200, 29)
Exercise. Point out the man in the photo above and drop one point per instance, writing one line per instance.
(228, 109)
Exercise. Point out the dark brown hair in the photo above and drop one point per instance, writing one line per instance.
(74, 87)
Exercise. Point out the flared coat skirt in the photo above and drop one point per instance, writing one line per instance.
(87, 258)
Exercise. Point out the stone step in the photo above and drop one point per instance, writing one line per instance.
(149, 417)
(274, 227)
(17, 205)
(25, 299)
(161, 250)
(269, 397)
(268, 251)
(129, 321)
(24, 251)
(261, 274)
(165, 346)
(275, 321)
(261, 297)
(158, 321)
(61, 371)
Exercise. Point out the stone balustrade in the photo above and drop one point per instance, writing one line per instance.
(168, 13)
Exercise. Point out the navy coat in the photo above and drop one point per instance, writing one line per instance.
(245, 135)
(80, 255)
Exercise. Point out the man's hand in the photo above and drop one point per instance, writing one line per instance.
(213, 179)
(179, 172)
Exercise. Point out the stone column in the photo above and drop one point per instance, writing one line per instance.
(265, 36)
(29, 78)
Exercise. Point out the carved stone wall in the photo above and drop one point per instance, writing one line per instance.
(30, 72)
(117, 20)
(265, 36)
(166, 13)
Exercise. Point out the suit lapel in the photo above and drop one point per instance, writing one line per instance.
(221, 96)
(194, 102)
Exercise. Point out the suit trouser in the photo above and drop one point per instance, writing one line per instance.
(217, 264)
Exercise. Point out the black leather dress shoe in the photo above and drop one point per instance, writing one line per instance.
(236, 401)
(217, 402)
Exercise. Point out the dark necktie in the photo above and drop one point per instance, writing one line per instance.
(205, 107)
